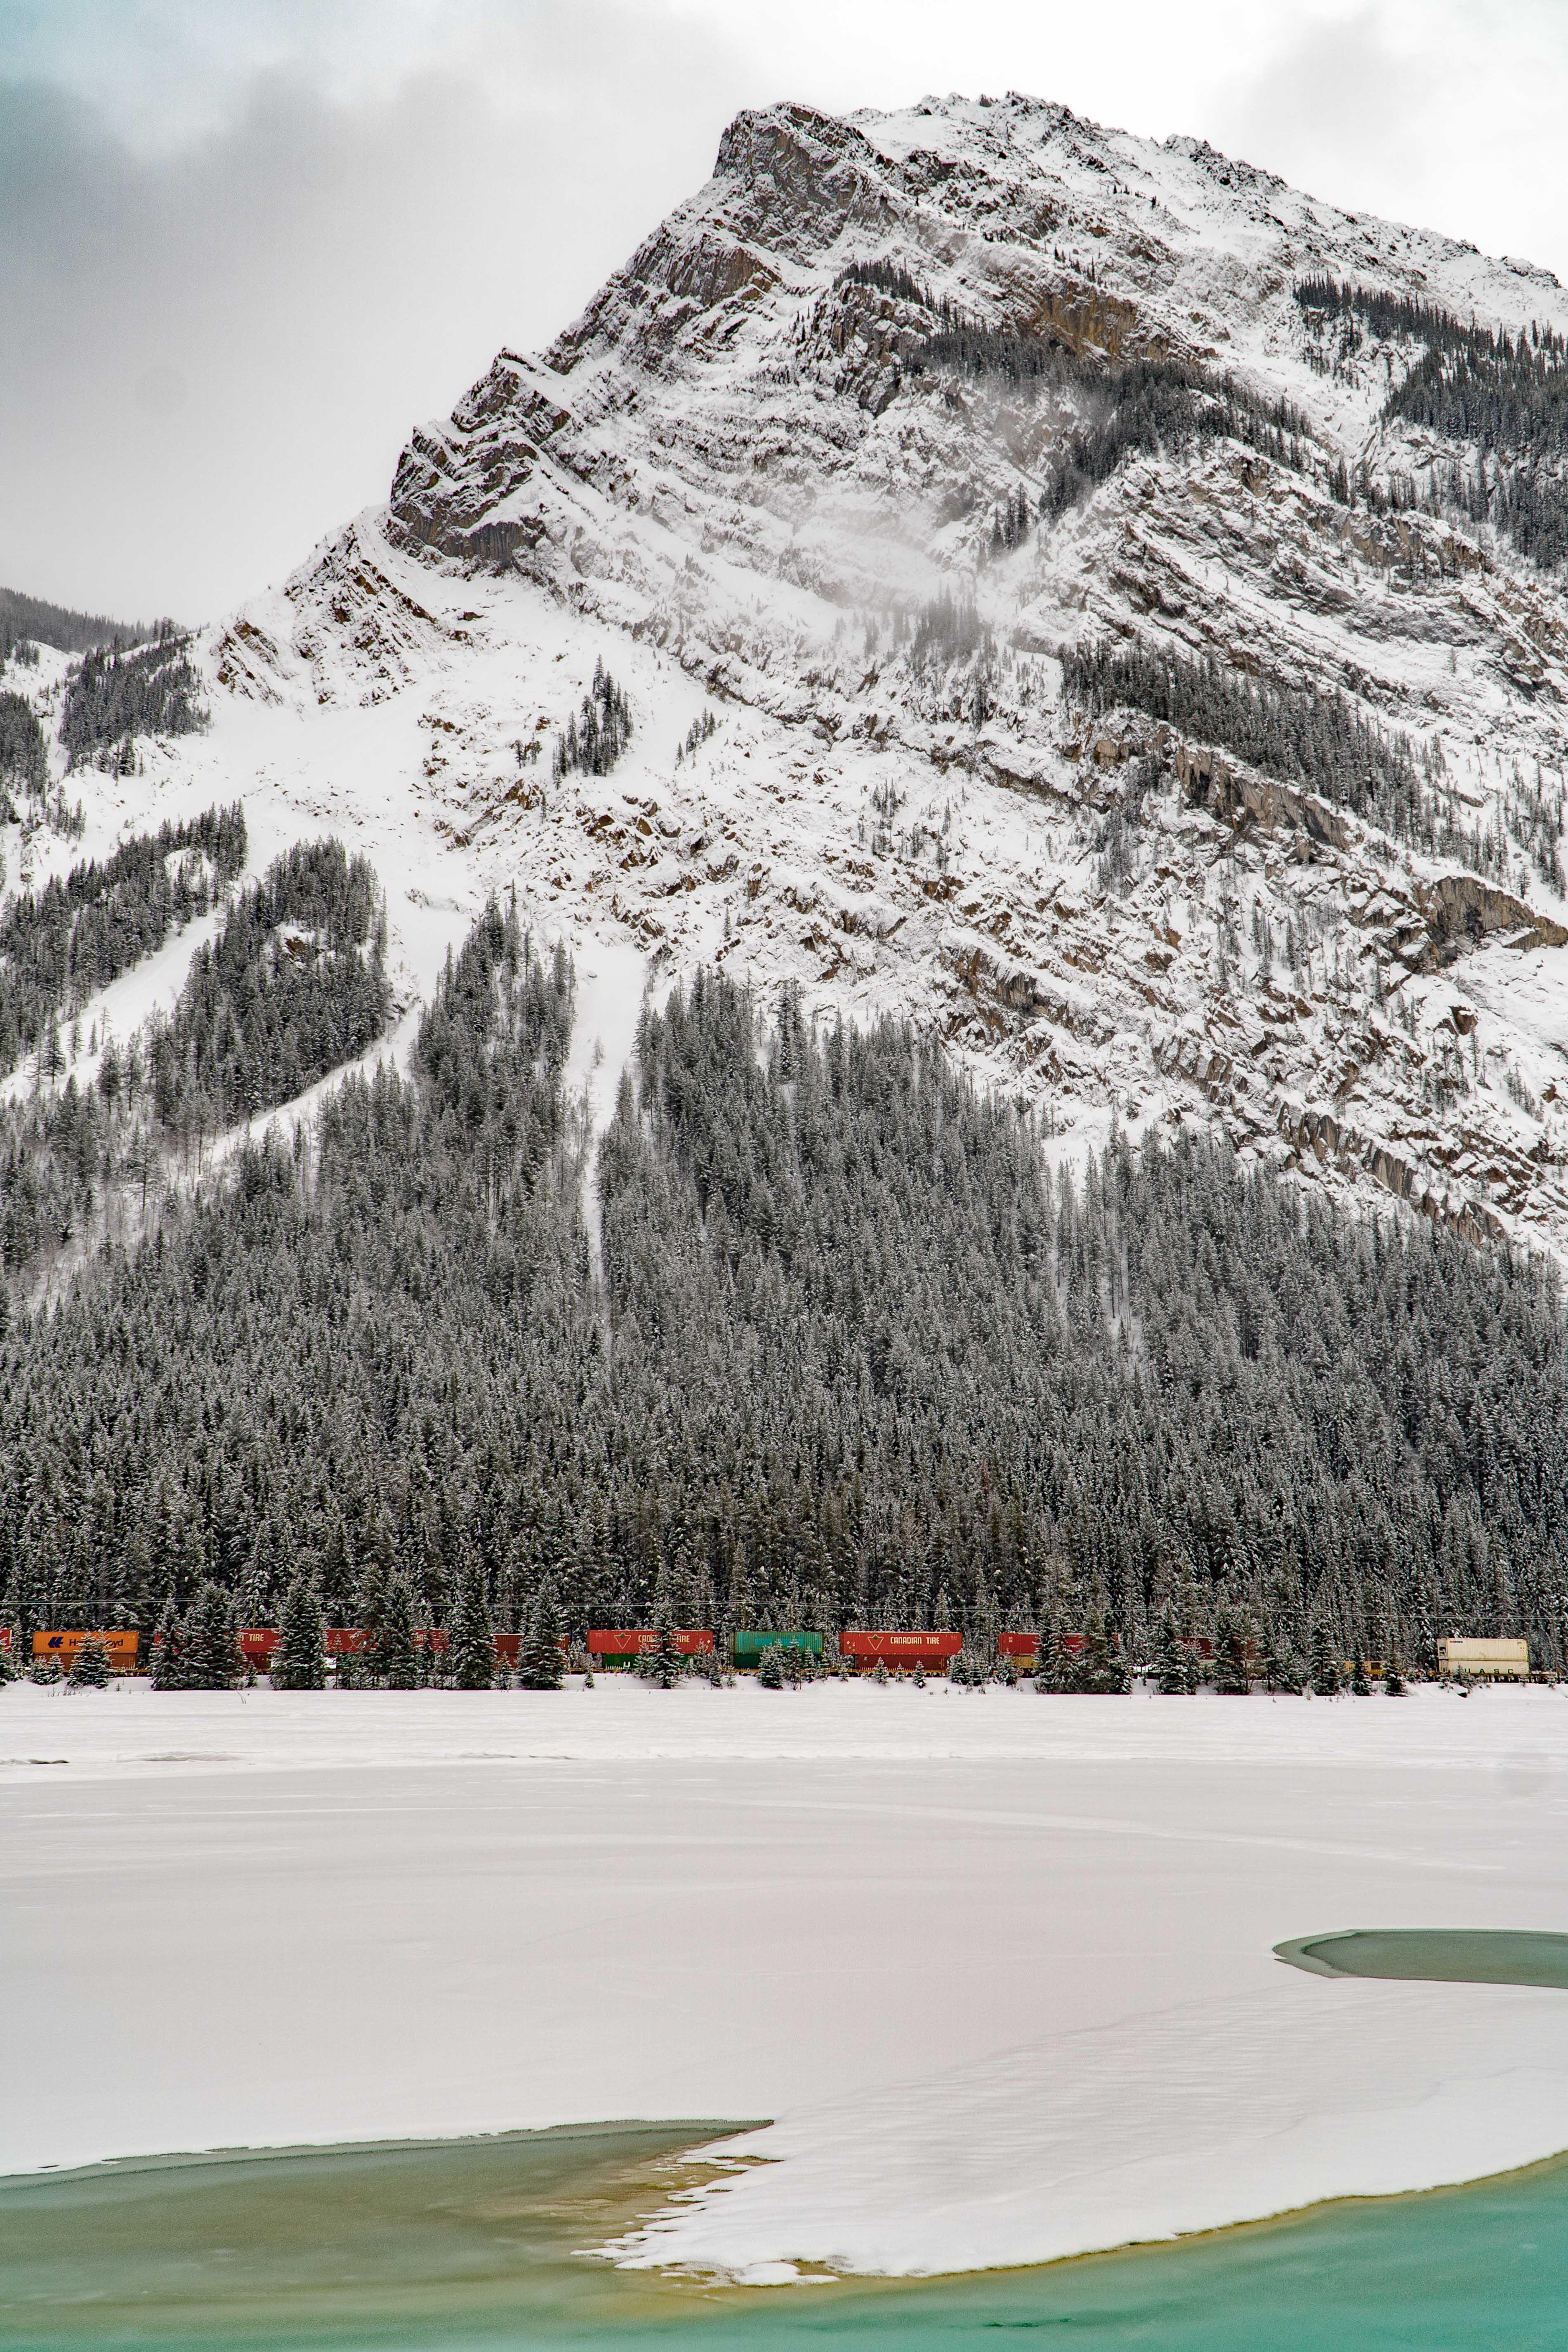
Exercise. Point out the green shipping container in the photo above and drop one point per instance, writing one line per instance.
(746, 1649)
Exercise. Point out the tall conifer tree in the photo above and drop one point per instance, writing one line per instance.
(539, 1654)
(398, 1656)
(299, 1662)
(1326, 1675)
(472, 1655)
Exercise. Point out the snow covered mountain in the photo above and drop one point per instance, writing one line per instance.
(895, 414)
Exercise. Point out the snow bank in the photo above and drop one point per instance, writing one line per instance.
(1000, 1967)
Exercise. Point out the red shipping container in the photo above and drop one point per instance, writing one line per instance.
(1020, 1646)
(630, 1642)
(352, 1641)
(259, 1642)
(901, 1649)
(509, 1646)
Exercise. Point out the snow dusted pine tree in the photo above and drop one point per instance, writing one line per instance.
(92, 1669)
(1326, 1676)
(211, 1641)
(399, 1658)
(1232, 1676)
(539, 1654)
(1170, 1659)
(169, 1650)
(299, 1662)
(472, 1656)
(1281, 1668)
(663, 1665)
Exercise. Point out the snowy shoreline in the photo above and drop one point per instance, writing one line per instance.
(1000, 1967)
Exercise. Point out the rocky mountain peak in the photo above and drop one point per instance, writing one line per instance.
(1127, 596)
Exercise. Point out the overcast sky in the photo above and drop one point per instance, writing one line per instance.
(245, 244)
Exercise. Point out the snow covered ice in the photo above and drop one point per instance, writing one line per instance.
(999, 1968)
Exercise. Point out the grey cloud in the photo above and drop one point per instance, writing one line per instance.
(214, 355)
(216, 341)
(1449, 119)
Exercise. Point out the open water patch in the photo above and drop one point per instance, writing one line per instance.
(1492, 1955)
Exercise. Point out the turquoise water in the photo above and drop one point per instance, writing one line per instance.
(475, 2245)
(471, 2245)
(1483, 2269)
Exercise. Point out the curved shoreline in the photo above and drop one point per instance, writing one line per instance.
(479, 2243)
(1227, 2232)
(694, 2141)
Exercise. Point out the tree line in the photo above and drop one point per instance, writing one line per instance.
(1503, 396)
(1301, 737)
(29, 620)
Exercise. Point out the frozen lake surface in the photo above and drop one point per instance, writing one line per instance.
(1000, 1967)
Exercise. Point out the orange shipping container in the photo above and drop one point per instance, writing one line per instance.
(64, 1645)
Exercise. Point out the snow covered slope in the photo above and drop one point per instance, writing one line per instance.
(743, 483)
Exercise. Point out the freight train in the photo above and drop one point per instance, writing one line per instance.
(609, 1646)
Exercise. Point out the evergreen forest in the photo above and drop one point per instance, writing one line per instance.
(293, 986)
(59, 945)
(1309, 739)
(1126, 407)
(117, 693)
(24, 755)
(833, 1346)
(29, 620)
(1502, 398)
